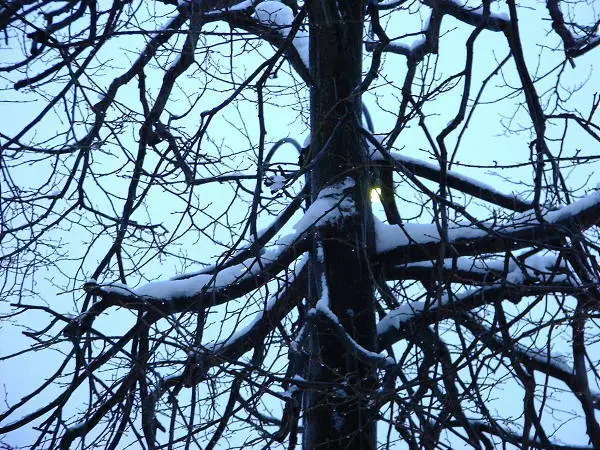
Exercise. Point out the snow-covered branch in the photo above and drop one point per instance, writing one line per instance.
(280, 18)
(573, 45)
(361, 353)
(477, 270)
(399, 244)
(256, 246)
(217, 285)
(400, 322)
(177, 295)
(455, 180)
(275, 310)
(252, 335)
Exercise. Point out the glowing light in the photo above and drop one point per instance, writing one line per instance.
(376, 195)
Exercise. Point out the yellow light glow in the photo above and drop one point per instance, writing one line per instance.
(376, 195)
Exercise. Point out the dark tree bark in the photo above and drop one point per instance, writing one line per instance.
(338, 416)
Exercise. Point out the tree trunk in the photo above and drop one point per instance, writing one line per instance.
(338, 416)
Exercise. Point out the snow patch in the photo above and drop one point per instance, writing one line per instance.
(332, 204)
(276, 183)
(500, 15)
(396, 317)
(278, 16)
(275, 14)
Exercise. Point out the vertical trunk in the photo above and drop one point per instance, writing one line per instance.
(337, 415)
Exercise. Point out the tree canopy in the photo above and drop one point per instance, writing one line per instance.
(273, 224)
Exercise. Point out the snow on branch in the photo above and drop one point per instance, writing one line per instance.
(456, 180)
(429, 43)
(475, 269)
(271, 22)
(331, 205)
(473, 16)
(361, 353)
(231, 349)
(264, 267)
(227, 282)
(328, 208)
(172, 296)
(399, 244)
(276, 308)
(573, 44)
(280, 17)
(244, 340)
(401, 321)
